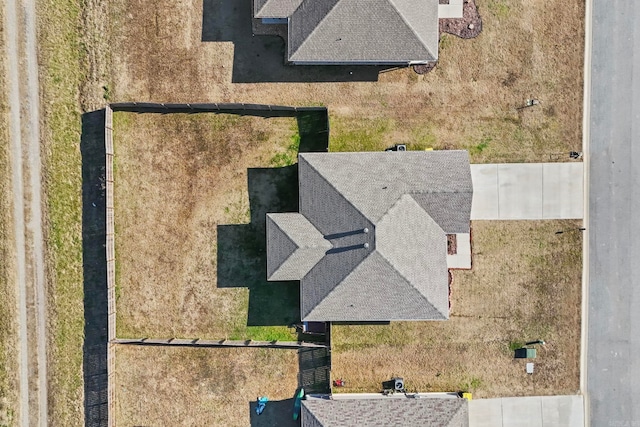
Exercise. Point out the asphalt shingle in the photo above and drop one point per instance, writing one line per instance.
(427, 412)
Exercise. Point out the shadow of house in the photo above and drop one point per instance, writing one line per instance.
(92, 147)
(262, 58)
(242, 249)
(277, 413)
(241, 254)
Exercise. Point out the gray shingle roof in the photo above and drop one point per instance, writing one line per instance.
(397, 268)
(378, 31)
(440, 181)
(427, 412)
(274, 8)
(294, 245)
(357, 31)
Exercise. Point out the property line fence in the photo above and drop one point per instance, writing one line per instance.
(313, 125)
(179, 342)
(111, 260)
(220, 108)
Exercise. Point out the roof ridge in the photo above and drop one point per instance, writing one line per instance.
(342, 281)
(314, 28)
(393, 4)
(424, 297)
(301, 155)
(284, 233)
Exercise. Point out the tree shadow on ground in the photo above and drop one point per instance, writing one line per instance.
(262, 58)
(92, 148)
(277, 413)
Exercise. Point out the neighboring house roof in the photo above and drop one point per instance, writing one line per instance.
(274, 8)
(369, 243)
(357, 31)
(427, 412)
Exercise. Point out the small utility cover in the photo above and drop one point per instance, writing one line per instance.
(525, 353)
(529, 368)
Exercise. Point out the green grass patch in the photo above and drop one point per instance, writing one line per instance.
(499, 8)
(290, 155)
(360, 134)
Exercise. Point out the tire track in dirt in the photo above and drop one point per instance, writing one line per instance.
(22, 73)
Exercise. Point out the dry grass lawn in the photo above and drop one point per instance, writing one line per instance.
(525, 285)
(181, 189)
(196, 387)
(203, 51)
(174, 186)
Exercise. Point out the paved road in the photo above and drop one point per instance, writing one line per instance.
(22, 82)
(613, 338)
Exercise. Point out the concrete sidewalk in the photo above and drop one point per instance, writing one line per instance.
(527, 191)
(537, 411)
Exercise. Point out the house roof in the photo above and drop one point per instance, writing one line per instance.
(428, 412)
(357, 31)
(296, 246)
(373, 244)
(274, 8)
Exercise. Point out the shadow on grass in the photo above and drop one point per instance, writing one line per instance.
(277, 413)
(242, 249)
(241, 257)
(94, 362)
(262, 58)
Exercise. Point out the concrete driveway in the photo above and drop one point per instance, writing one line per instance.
(527, 191)
(537, 411)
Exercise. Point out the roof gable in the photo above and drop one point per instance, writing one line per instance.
(411, 241)
(374, 291)
(372, 182)
(378, 31)
(296, 246)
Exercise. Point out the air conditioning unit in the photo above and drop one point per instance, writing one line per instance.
(399, 384)
(401, 147)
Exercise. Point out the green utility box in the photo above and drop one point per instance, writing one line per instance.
(525, 353)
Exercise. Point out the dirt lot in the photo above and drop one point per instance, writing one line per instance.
(203, 50)
(525, 285)
(189, 250)
(8, 309)
(195, 387)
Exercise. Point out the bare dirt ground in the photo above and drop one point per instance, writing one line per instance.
(525, 285)
(9, 380)
(24, 138)
(181, 185)
(195, 387)
(203, 51)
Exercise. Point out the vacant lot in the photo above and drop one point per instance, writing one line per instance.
(203, 51)
(195, 387)
(525, 285)
(189, 238)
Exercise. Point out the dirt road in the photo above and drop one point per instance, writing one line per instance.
(23, 99)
